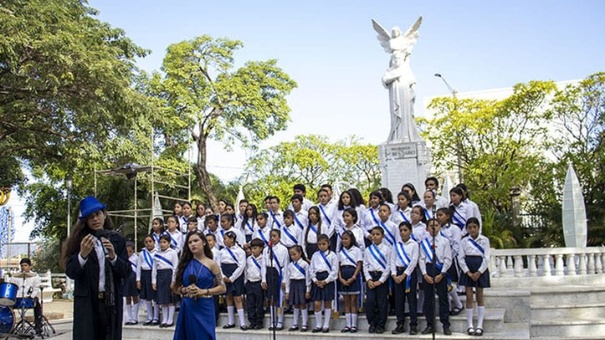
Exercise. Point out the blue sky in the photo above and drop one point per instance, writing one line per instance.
(331, 50)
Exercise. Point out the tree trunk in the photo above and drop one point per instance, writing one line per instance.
(204, 177)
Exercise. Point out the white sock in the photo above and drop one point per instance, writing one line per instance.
(318, 320)
(296, 313)
(327, 315)
(149, 309)
(280, 316)
(242, 318)
(480, 315)
(354, 320)
(135, 312)
(231, 314)
(156, 312)
(469, 317)
(454, 299)
(171, 310)
(164, 314)
(305, 316)
(348, 318)
(128, 315)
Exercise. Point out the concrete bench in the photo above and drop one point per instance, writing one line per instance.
(46, 285)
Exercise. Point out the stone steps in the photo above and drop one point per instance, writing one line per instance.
(568, 329)
(578, 311)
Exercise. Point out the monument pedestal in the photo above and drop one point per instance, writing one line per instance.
(400, 163)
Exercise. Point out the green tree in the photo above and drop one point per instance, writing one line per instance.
(203, 96)
(313, 161)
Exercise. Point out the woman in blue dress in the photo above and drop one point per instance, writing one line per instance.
(198, 278)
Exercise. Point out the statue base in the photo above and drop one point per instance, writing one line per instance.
(401, 163)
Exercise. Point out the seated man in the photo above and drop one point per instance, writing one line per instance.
(29, 286)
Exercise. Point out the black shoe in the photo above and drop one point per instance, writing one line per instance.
(379, 330)
(293, 328)
(399, 329)
(372, 329)
(155, 322)
(148, 323)
(447, 331)
(326, 330)
(304, 329)
(162, 325)
(428, 330)
(413, 330)
(243, 327)
(169, 325)
(227, 326)
(316, 330)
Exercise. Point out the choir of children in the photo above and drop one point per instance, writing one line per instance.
(309, 255)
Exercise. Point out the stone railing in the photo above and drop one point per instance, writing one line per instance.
(548, 263)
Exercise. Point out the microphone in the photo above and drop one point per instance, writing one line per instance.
(100, 234)
(193, 280)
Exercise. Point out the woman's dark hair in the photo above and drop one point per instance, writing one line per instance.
(406, 224)
(197, 207)
(316, 209)
(473, 220)
(231, 235)
(229, 218)
(458, 191)
(386, 194)
(187, 256)
(358, 197)
(377, 193)
(422, 213)
(415, 197)
(299, 249)
(323, 237)
(79, 231)
(407, 197)
(288, 213)
(353, 201)
(448, 212)
(246, 218)
(353, 213)
(351, 236)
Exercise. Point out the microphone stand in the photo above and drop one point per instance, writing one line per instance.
(434, 284)
(272, 300)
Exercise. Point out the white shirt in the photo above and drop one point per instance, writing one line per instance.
(354, 253)
(453, 234)
(239, 237)
(326, 213)
(253, 273)
(370, 220)
(176, 240)
(159, 263)
(443, 252)
(318, 264)
(145, 257)
(25, 284)
(249, 226)
(467, 248)
(291, 235)
(398, 216)
(294, 273)
(264, 234)
(134, 262)
(376, 258)
(301, 219)
(280, 259)
(276, 219)
(240, 260)
(397, 254)
(419, 232)
(357, 232)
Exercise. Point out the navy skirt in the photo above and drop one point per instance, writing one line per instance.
(311, 248)
(130, 285)
(347, 272)
(323, 294)
(453, 270)
(235, 288)
(147, 292)
(473, 263)
(298, 289)
(164, 294)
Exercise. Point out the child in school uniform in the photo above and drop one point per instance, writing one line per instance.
(312, 231)
(350, 218)
(176, 236)
(227, 225)
(474, 260)
(370, 216)
(157, 229)
(186, 216)
(191, 226)
(349, 281)
(162, 279)
(452, 233)
(248, 224)
(298, 286)
(376, 270)
(403, 211)
(403, 261)
(211, 227)
(292, 234)
(323, 271)
(263, 230)
(435, 260)
(301, 218)
(131, 293)
(233, 263)
(143, 277)
(418, 219)
(255, 295)
(390, 229)
(276, 259)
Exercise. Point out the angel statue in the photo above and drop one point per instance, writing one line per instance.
(400, 81)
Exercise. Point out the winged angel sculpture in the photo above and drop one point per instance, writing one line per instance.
(400, 80)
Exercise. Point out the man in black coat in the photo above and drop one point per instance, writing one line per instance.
(96, 259)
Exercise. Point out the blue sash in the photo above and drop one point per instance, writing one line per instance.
(403, 216)
(378, 256)
(477, 245)
(458, 219)
(323, 212)
(426, 247)
(262, 235)
(278, 264)
(298, 222)
(156, 238)
(249, 226)
(326, 260)
(274, 220)
(390, 236)
(376, 221)
(414, 237)
(290, 236)
(147, 257)
(133, 265)
(408, 280)
(165, 260)
(256, 263)
(300, 269)
(232, 255)
(312, 227)
(346, 254)
(173, 243)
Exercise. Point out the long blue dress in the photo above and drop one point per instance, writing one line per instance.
(196, 320)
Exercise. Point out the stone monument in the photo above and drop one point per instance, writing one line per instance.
(404, 157)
